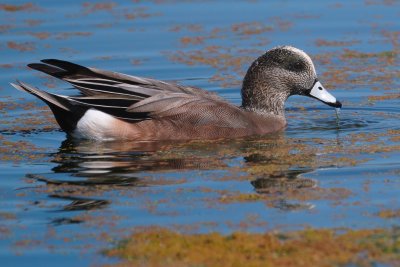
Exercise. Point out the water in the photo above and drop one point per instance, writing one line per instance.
(65, 201)
(337, 113)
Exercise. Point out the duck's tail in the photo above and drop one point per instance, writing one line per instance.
(66, 113)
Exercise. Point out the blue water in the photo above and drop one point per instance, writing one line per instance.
(64, 201)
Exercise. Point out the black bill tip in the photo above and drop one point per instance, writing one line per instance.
(337, 104)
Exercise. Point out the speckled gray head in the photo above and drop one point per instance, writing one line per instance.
(279, 73)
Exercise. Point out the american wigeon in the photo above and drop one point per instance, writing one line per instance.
(119, 106)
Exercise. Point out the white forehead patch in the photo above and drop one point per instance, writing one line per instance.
(302, 53)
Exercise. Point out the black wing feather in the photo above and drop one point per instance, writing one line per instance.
(124, 96)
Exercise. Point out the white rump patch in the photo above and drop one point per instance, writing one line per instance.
(96, 125)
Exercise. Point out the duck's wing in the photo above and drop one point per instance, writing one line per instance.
(134, 98)
(93, 82)
(195, 110)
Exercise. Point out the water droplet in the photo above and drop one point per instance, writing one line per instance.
(337, 110)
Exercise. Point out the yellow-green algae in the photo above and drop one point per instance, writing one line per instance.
(310, 247)
(389, 213)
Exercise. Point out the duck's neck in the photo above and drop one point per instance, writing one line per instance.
(266, 102)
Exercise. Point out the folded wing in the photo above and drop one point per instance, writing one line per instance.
(133, 98)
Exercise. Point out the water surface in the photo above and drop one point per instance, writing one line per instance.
(65, 200)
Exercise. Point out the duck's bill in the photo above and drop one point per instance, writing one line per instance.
(320, 93)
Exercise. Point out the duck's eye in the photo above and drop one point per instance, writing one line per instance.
(297, 66)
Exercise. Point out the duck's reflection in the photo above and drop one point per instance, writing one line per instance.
(115, 160)
(84, 167)
(82, 203)
(280, 185)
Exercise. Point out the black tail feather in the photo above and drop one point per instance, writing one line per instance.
(51, 70)
(60, 69)
(68, 67)
(66, 114)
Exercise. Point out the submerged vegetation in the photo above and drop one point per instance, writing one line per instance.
(156, 247)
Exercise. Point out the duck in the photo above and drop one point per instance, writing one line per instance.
(117, 106)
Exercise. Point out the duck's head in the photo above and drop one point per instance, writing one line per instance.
(279, 73)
